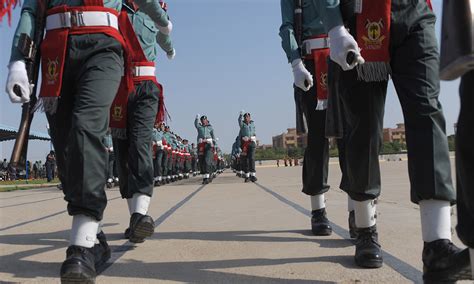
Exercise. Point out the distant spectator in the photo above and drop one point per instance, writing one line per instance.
(50, 165)
(291, 162)
(278, 163)
(4, 165)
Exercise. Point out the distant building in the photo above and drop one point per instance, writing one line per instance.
(290, 139)
(395, 134)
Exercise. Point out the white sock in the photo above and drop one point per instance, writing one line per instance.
(247, 175)
(130, 205)
(350, 204)
(471, 255)
(318, 202)
(83, 231)
(253, 174)
(140, 203)
(364, 213)
(435, 220)
(206, 176)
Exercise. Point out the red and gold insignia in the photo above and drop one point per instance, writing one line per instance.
(52, 73)
(323, 81)
(374, 37)
(117, 114)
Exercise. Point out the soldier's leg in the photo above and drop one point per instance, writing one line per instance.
(364, 108)
(94, 68)
(251, 161)
(142, 110)
(121, 156)
(415, 66)
(465, 164)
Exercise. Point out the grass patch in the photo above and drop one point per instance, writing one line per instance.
(31, 181)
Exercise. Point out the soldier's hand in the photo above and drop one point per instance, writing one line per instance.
(166, 30)
(302, 78)
(18, 79)
(342, 43)
(197, 116)
(171, 54)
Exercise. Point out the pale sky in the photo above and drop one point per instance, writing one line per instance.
(228, 58)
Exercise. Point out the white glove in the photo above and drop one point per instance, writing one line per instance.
(302, 78)
(242, 112)
(17, 76)
(342, 43)
(166, 30)
(171, 54)
(197, 116)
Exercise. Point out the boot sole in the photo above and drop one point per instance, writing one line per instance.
(322, 232)
(369, 263)
(144, 229)
(76, 274)
(455, 274)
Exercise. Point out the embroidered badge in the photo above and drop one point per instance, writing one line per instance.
(323, 80)
(52, 74)
(117, 113)
(374, 37)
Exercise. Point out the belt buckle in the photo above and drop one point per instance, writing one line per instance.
(77, 19)
(136, 71)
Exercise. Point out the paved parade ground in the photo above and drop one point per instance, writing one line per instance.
(224, 232)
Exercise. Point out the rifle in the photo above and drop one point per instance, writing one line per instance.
(29, 48)
(301, 125)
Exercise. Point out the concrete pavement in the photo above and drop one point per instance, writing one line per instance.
(224, 232)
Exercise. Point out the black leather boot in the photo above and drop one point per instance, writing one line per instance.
(79, 266)
(443, 262)
(102, 250)
(368, 252)
(320, 225)
(141, 227)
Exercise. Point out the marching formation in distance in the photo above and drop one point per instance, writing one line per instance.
(108, 127)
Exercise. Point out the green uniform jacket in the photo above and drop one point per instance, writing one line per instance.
(157, 135)
(319, 16)
(204, 132)
(28, 16)
(246, 129)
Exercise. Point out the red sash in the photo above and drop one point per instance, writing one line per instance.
(201, 148)
(54, 46)
(245, 147)
(118, 110)
(319, 57)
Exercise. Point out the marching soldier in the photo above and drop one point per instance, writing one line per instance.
(309, 65)
(205, 146)
(159, 152)
(248, 145)
(457, 61)
(168, 154)
(194, 158)
(187, 158)
(82, 68)
(397, 39)
(132, 120)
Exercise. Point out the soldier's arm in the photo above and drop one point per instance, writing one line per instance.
(26, 25)
(287, 32)
(164, 41)
(153, 9)
(241, 120)
(196, 123)
(212, 134)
